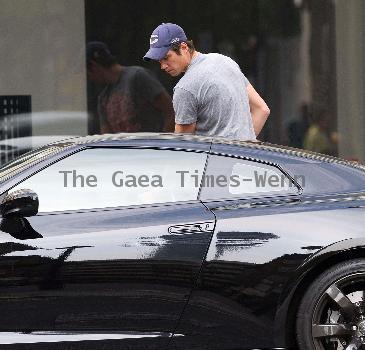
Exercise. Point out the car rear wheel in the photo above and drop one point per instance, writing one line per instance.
(331, 314)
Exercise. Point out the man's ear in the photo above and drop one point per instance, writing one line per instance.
(184, 46)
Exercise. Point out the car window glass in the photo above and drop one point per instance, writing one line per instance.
(228, 177)
(105, 177)
(251, 178)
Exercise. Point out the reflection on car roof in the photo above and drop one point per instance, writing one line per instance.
(38, 155)
(264, 146)
(28, 159)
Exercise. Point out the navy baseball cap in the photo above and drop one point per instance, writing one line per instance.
(99, 52)
(162, 38)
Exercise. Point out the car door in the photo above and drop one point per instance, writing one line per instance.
(111, 257)
(235, 302)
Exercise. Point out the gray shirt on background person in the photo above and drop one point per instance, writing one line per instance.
(213, 94)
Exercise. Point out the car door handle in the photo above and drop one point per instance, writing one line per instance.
(207, 226)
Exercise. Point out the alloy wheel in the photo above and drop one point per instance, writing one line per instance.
(338, 320)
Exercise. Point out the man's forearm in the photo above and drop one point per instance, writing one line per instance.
(185, 128)
(105, 128)
(259, 117)
(259, 109)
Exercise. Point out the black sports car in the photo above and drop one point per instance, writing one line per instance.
(147, 241)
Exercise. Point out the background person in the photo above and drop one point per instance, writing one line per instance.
(297, 128)
(213, 97)
(318, 137)
(132, 99)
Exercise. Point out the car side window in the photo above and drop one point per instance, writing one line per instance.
(111, 177)
(228, 177)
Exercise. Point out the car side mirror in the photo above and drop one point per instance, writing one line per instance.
(20, 203)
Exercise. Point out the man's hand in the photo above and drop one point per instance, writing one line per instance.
(259, 109)
(105, 128)
(185, 128)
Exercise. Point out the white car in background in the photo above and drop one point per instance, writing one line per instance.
(12, 148)
(45, 127)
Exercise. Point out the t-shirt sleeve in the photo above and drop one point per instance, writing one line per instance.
(247, 82)
(185, 106)
(147, 85)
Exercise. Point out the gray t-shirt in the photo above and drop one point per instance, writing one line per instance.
(213, 94)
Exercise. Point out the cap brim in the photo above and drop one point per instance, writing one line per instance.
(156, 53)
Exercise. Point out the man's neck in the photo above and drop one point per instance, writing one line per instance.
(114, 73)
(194, 55)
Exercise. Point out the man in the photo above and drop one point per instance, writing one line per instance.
(132, 100)
(213, 97)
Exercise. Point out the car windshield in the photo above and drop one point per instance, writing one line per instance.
(28, 159)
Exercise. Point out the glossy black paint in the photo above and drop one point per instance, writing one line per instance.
(143, 278)
(108, 271)
(256, 259)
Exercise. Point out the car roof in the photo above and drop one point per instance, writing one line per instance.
(294, 161)
(114, 139)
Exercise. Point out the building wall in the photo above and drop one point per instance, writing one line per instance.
(323, 60)
(284, 87)
(42, 54)
(350, 62)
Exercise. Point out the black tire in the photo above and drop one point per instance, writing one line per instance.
(331, 314)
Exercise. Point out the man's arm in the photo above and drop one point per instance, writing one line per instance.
(163, 103)
(259, 109)
(150, 88)
(186, 111)
(185, 128)
(104, 124)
